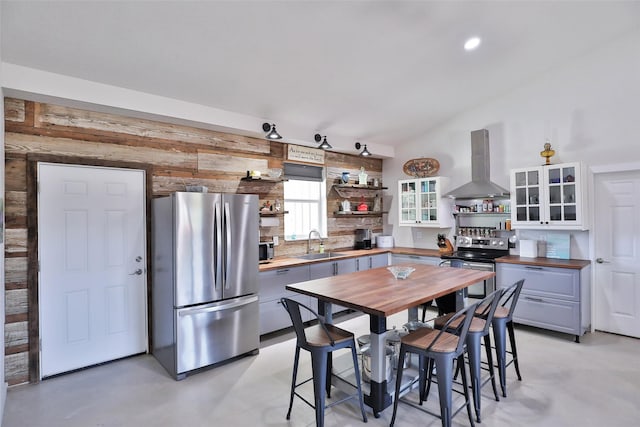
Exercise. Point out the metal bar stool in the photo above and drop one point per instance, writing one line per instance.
(503, 323)
(441, 348)
(478, 330)
(320, 340)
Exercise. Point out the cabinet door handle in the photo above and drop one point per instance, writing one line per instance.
(284, 271)
(528, 267)
(534, 299)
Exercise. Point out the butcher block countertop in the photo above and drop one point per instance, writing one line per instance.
(415, 251)
(291, 261)
(576, 264)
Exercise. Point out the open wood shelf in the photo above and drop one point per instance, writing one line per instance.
(481, 213)
(355, 190)
(273, 213)
(262, 179)
(342, 214)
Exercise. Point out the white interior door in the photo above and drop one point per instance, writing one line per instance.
(92, 286)
(617, 251)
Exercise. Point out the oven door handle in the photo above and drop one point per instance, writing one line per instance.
(445, 262)
(482, 266)
(488, 266)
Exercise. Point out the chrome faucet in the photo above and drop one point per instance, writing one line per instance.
(309, 240)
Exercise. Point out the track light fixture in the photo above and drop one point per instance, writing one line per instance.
(364, 152)
(325, 145)
(271, 131)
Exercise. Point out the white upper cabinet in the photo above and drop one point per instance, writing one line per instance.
(549, 197)
(421, 204)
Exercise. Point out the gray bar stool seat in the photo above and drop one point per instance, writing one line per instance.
(479, 330)
(439, 348)
(320, 340)
(502, 324)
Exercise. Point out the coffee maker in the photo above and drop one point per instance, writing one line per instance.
(363, 238)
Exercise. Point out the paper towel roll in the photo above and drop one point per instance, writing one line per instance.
(269, 222)
(528, 248)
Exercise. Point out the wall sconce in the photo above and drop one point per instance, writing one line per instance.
(325, 145)
(271, 131)
(364, 152)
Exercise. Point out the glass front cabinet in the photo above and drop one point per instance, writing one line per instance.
(421, 205)
(548, 197)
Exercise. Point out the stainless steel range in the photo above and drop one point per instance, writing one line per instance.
(478, 253)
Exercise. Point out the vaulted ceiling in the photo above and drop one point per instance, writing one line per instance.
(377, 71)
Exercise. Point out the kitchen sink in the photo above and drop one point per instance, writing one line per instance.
(324, 255)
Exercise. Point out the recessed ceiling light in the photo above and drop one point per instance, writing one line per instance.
(472, 43)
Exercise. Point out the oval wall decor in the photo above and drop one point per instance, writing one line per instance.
(421, 168)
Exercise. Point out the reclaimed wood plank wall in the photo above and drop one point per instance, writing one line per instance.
(178, 156)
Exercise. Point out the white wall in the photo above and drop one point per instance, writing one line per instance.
(3, 385)
(587, 107)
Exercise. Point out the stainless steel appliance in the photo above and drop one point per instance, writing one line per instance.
(265, 251)
(478, 253)
(205, 279)
(481, 185)
(363, 238)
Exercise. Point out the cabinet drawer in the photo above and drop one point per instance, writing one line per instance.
(273, 315)
(556, 315)
(272, 282)
(549, 282)
(402, 259)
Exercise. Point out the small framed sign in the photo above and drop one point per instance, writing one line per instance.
(305, 154)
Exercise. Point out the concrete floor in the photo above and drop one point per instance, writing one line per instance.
(594, 383)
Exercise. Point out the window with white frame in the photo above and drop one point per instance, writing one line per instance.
(306, 203)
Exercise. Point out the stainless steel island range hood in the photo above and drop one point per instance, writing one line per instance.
(480, 186)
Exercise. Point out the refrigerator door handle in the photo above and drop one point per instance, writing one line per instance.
(218, 307)
(227, 222)
(218, 246)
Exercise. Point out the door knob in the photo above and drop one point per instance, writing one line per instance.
(136, 273)
(601, 261)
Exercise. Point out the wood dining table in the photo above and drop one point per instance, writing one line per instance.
(377, 293)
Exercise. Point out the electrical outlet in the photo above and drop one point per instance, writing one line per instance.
(275, 240)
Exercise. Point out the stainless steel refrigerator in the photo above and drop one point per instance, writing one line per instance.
(205, 279)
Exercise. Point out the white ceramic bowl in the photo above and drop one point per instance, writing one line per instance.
(274, 173)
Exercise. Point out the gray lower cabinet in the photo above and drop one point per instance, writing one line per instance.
(372, 261)
(328, 269)
(552, 298)
(272, 287)
(332, 268)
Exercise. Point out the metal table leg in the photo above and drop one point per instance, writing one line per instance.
(378, 398)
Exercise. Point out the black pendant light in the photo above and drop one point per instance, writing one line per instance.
(365, 152)
(325, 145)
(271, 131)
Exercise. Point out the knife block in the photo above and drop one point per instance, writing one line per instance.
(445, 246)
